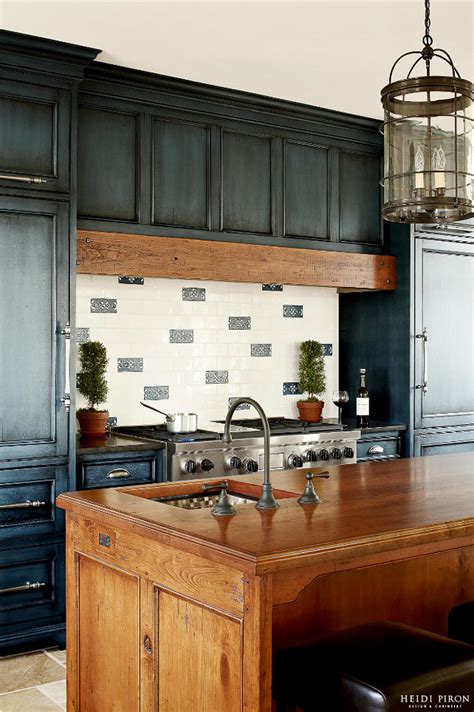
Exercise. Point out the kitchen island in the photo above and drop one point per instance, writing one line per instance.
(177, 610)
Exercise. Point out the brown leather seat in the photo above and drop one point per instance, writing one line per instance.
(374, 668)
(461, 622)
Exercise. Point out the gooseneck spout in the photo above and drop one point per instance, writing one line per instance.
(267, 500)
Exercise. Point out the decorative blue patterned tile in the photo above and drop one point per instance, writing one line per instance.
(260, 349)
(111, 423)
(272, 287)
(194, 294)
(83, 334)
(99, 305)
(181, 336)
(156, 392)
(217, 377)
(293, 311)
(131, 280)
(131, 365)
(291, 389)
(240, 322)
(327, 349)
(242, 406)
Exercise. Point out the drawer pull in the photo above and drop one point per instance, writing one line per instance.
(26, 587)
(375, 450)
(23, 505)
(118, 474)
(24, 179)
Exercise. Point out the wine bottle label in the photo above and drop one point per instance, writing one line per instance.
(362, 406)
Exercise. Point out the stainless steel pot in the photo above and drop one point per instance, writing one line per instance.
(177, 422)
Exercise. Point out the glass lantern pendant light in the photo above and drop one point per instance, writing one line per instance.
(428, 159)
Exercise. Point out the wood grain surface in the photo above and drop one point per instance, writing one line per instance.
(111, 253)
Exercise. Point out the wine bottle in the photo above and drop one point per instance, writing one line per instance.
(362, 402)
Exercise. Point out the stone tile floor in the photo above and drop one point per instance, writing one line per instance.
(35, 682)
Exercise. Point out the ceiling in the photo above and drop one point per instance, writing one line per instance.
(335, 53)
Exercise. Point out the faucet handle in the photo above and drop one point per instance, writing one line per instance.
(309, 495)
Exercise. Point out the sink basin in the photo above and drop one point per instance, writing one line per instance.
(204, 500)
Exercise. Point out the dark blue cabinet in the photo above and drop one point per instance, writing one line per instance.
(116, 468)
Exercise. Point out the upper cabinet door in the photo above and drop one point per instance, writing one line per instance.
(34, 137)
(181, 174)
(34, 298)
(108, 164)
(444, 306)
(360, 218)
(246, 183)
(306, 191)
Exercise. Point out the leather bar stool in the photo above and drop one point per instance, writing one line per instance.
(461, 622)
(373, 668)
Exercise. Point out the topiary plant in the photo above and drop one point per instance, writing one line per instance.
(312, 377)
(91, 381)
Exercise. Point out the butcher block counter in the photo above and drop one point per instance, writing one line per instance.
(178, 610)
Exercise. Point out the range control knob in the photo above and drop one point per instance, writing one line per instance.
(189, 467)
(250, 465)
(206, 465)
(348, 452)
(336, 454)
(310, 455)
(323, 455)
(233, 463)
(295, 461)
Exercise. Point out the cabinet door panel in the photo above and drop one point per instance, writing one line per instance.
(444, 443)
(34, 136)
(445, 306)
(181, 154)
(108, 144)
(359, 198)
(306, 186)
(200, 658)
(246, 184)
(34, 260)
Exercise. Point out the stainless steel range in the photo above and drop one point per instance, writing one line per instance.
(293, 445)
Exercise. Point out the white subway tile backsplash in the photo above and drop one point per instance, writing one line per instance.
(146, 314)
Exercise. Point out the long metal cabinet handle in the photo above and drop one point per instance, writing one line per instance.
(116, 474)
(66, 332)
(23, 505)
(424, 335)
(24, 179)
(25, 587)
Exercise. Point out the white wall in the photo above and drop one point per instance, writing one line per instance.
(140, 328)
(332, 53)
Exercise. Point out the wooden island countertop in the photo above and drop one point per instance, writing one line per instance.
(389, 540)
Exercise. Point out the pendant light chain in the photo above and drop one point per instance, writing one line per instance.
(427, 39)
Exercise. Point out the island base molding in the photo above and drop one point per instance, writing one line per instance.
(146, 631)
(109, 253)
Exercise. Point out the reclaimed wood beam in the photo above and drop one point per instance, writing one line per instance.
(109, 253)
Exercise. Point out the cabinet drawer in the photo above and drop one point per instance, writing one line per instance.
(27, 501)
(378, 449)
(113, 472)
(31, 586)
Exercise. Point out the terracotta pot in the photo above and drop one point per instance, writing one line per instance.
(92, 423)
(310, 411)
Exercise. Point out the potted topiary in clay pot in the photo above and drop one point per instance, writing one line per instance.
(312, 379)
(92, 384)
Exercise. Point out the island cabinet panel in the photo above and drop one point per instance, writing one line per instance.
(200, 658)
(34, 259)
(306, 190)
(108, 164)
(444, 298)
(180, 174)
(108, 638)
(359, 198)
(246, 182)
(34, 136)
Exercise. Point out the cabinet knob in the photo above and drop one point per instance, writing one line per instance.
(147, 644)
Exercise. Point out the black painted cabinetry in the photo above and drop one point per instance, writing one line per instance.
(38, 121)
(384, 334)
(168, 157)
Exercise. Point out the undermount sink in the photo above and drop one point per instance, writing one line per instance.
(204, 500)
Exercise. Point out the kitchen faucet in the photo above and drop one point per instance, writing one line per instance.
(267, 500)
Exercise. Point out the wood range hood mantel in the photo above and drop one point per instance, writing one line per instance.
(109, 253)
